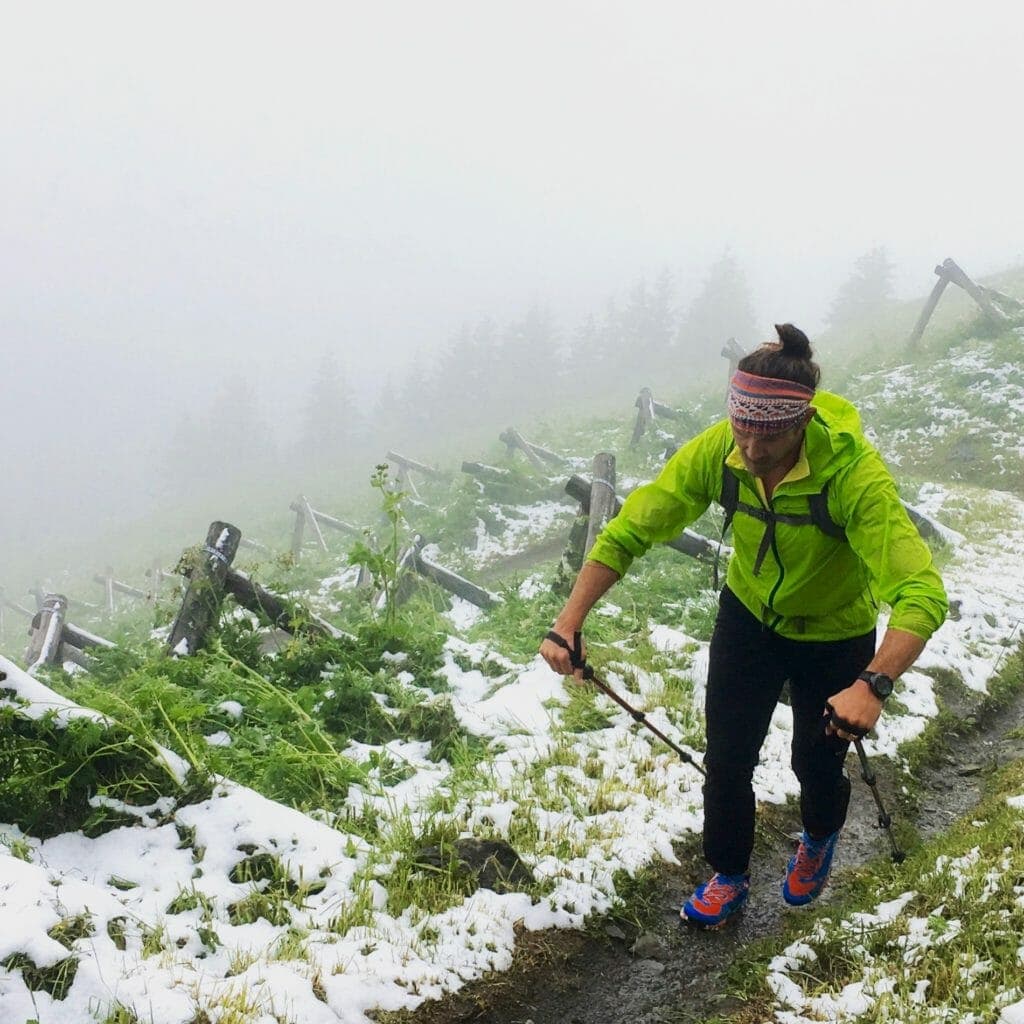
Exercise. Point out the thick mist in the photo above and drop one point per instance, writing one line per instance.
(242, 244)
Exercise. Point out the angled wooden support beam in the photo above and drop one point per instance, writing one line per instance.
(929, 306)
(958, 277)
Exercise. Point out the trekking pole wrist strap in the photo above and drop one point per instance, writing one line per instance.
(576, 658)
(846, 726)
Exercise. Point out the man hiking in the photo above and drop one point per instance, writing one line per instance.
(820, 537)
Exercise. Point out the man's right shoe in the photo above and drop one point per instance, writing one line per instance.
(716, 900)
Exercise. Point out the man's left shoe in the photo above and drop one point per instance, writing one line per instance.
(809, 869)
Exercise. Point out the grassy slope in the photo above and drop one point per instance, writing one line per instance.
(310, 701)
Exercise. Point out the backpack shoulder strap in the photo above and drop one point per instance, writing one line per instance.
(729, 496)
(820, 515)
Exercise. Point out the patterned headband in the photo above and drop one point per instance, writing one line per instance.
(767, 405)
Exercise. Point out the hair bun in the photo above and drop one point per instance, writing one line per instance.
(794, 342)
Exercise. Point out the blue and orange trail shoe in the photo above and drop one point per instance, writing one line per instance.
(809, 869)
(716, 900)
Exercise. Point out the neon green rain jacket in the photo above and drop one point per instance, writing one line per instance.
(810, 586)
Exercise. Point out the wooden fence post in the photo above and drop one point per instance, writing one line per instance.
(644, 415)
(602, 496)
(575, 549)
(299, 506)
(206, 575)
(731, 351)
(107, 581)
(47, 627)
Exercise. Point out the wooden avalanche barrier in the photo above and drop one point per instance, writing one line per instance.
(998, 308)
(534, 452)
(646, 409)
(53, 640)
(406, 466)
(305, 513)
(45, 635)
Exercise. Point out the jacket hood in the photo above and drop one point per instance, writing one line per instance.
(835, 436)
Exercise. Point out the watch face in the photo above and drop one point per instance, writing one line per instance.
(881, 684)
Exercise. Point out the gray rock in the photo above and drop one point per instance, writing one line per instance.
(494, 863)
(649, 947)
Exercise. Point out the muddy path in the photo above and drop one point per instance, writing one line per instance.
(661, 972)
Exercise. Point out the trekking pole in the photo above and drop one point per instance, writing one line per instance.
(884, 821)
(577, 661)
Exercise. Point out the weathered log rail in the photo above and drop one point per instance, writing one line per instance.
(490, 474)
(275, 610)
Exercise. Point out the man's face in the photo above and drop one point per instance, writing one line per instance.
(762, 454)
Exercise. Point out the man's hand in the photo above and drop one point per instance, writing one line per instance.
(856, 707)
(558, 657)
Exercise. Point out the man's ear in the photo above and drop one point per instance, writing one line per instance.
(809, 415)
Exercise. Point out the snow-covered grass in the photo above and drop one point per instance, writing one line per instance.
(943, 940)
(294, 889)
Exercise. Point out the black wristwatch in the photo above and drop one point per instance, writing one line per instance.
(880, 683)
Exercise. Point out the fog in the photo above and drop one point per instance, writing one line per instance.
(214, 217)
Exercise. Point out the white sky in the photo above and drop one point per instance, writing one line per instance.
(186, 188)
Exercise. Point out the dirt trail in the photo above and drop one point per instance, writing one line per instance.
(675, 974)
